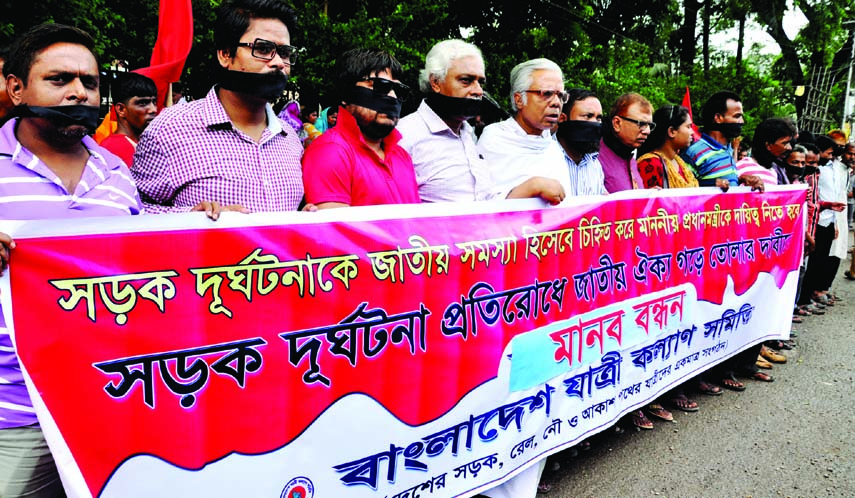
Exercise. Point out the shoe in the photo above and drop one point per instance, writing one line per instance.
(848, 274)
(640, 420)
(772, 355)
(762, 363)
(660, 412)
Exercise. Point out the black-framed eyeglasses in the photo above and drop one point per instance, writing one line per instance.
(548, 94)
(641, 124)
(266, 50)
(383, 86)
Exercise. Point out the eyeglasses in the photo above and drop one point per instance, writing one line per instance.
(641, 124)
(548, 94)
(267, 50)
(383, 86)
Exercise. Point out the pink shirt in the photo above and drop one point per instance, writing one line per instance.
(340, 167)
(749, 166)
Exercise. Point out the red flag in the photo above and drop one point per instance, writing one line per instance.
(174, 39)
(687, 103)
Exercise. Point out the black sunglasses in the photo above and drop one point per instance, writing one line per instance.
(641, 124)
(266, 50)
(383, 86)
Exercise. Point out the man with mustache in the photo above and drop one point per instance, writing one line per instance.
(440, 140)
(359, 162)
(711, 156)
(521, 147)
(230, 147)
(49, 168)
(579, 133)
(630, 122)
(135, 98)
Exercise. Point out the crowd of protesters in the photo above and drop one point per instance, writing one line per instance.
(229, 151)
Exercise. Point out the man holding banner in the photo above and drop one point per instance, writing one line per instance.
(230, 146)
(359, 162)
(51, 169)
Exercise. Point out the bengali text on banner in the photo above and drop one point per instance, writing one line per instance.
(395, 352)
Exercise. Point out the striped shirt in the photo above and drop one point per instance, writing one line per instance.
(749, 166)
(192, 153)
(710, 161)
(448, 166)
(812, 204)
(29, 190)
(586, 178)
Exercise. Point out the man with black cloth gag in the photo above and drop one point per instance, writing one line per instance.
(579, 133)
(229, 148)
(442, 143)
(359, 162)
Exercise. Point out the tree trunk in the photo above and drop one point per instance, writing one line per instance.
(769, 16)
(687, 37)
(740, 46)
(706, 38)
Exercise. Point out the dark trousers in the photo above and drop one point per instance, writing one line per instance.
(818, 265)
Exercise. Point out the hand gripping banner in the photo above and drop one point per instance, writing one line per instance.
(391, 351)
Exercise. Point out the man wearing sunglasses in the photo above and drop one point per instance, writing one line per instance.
(359, 162)
(230, 147)
(521, 147)
(448, 165)
(630, 122)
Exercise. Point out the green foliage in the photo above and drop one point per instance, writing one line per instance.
(610, 46)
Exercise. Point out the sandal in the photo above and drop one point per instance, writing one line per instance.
(660, 412)
(731, 383)
(640, 420)
(762, 363)
(543, 488)
(681, 402)
(814, 309)
(779, 344)
(709, 389)
(797, 319)
(763, 377)
(801, 312)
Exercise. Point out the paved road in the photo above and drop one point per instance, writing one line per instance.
(794, 437)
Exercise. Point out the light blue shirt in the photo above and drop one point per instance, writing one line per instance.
(586, 178)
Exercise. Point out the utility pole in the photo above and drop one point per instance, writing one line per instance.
(847, 109)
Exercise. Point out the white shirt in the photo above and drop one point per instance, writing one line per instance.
(448, 166)
(833, 178)
(840, 245)
(515, 156)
